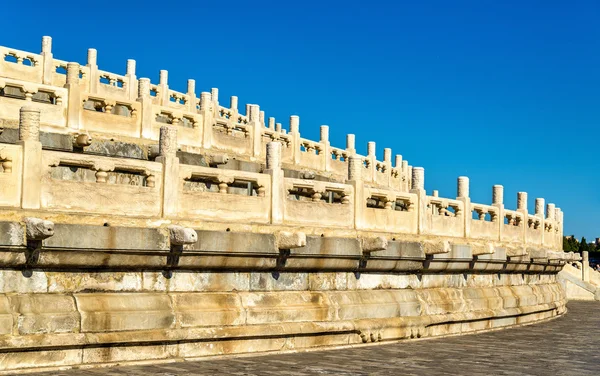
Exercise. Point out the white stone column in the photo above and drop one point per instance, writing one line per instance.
(387, 162)
(404, 176)
(325, 148)
(74, 102)
(132, 85)
(47, 60)
(418, 188)
(278, 193)
(355, 178)
(498, 201)
(539, 212)
(463, 192)
(191, 93)
(372, 157)
(92, 64)
(351, 144)
(171, 180)
(295, 137)
(207, 110)
(29, 140)
(585, 266)
(147, 116)
(256, 131)
(522, 208)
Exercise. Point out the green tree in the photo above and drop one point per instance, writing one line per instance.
(570, 244)
(583, 245)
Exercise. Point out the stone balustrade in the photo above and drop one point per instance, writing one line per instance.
(172, 250)
(83, 98)
(100, 184)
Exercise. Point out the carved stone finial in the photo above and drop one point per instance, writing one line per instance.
(522, 201)
(355, 167)
(273, 155)
(46, 44)
(38, 229)
(498, 195)
(418, 178)
(29, 124)
(350, 142)
(180, 235)
(130, 67)
(233, 102)
(463, 187)
(294, 123)
(324, 133)
(92, 56)
(550, 211)
(72, 73)
(371, 148)
(168, 141)
(539, 207)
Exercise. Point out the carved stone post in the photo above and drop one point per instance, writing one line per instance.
(170, 162)
(207, 110)
(295, 138)
(163, 84)
(539, 212)
(325, 155)
(387, 165)
(398, 176)
(522, 208)
(351, 144)
(132, 88)
(191, 93)
(355, 178)
(585, 266)
(147, 116)
(463, 194)
(74, 103)
(418, 188)
(404, 176)
(498, 201)
(92, 64)
(253, 114)
(278, 194)
(47, 60)
(29, 139)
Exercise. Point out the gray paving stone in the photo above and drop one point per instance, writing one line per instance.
(566, 346)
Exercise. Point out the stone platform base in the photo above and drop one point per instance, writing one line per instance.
(47, 330)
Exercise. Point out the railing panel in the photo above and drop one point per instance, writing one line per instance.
(101, 114)
(11, 165)
(189, 129)
(51, 101)
(21, 65)
(90, 184)
(486, 226)
(306, 198)
(390, 211)
(445, 222)
(224, 195)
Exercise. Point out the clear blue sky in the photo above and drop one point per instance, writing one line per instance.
(505, 92)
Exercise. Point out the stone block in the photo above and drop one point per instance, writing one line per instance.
(38, 229)
(45, 313)
(107, 237)
(239, 242)
(56, 141)
(191, 159)
(289, 306)
(111, 312)
(116, 149)
(12, 234)
(208, 309)
(9, 136)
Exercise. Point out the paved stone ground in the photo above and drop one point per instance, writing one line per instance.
(566, 346)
